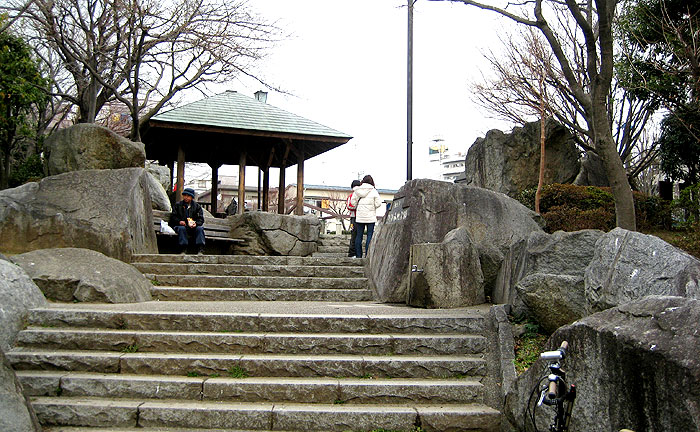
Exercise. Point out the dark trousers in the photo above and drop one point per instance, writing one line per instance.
(358, 238)
(184, 233)
(353, 234)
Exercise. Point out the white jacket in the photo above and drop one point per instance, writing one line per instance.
(366, 200)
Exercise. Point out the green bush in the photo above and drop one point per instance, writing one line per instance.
(568, 207)
(31, 169)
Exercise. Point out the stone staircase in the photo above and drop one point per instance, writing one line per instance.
(241, 343)
(333, 246)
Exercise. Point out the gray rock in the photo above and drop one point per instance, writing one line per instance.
(18, 294)
(89, 146)
(450, 275)
(104, 210)
(161, 173)
(630, 265)
(69, 274)
(509, 163)
(592, 172)
(159, 198)
(16, 413)
(553, 300)
(563, 257)
(637, 366)
(424, 211)
(275, 234)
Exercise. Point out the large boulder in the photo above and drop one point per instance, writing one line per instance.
(275, 234)
(89, 146)
(543, 276)
(161, 173)
(159, 198)
(636, 366)
(424, 211)
(72, 274)
(18, 294)
(104, 210)
(509, 163)
(629, 265)
(592, 172)
(447, 274)
(16, 412)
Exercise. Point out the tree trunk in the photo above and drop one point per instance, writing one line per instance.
(621, 190)
(540, 180)
(5, 174)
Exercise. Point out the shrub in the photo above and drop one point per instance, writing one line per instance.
(569, 207)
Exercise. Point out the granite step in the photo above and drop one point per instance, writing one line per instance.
(259, 294)
(64, 411)
(254, 365)
(248, 343)
(258, 281)
(277, 390)
(251, 270)
(246, 260)
(161, 318)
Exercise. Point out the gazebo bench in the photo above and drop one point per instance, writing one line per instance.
(217, 234)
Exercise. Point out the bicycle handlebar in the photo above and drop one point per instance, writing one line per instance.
(556, 355)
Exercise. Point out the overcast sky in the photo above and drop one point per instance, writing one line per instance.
(345, 65)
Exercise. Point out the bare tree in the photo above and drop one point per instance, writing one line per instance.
(143, 52)
(594, 19)
(513, 87)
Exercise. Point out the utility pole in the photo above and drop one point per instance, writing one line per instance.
(409, 96)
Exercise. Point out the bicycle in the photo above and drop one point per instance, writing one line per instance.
(557, 392)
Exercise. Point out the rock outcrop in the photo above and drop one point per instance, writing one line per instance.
(71, 274)
(424, 211)
(447, 274)
(543, 276)
(592, 172)
(16, 412)
(104, 210)
(509, 163)
(629, 265)
(18, 294)
(637, 366)
(89, 146)
(275, 234)
(159, 198)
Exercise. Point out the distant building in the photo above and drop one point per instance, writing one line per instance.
(446, 165)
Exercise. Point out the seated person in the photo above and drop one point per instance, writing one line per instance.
(187, 219)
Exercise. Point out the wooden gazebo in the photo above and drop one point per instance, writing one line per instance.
(233, 129)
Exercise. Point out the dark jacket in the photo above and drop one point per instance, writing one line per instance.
(180, 213)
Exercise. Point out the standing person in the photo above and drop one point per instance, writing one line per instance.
(353, 227)
(187, 219)
(366, 201)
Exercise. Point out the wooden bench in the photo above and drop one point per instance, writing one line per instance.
(216, 232)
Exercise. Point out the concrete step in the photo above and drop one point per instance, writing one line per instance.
(259, 281)
(255, 365)
(186, 318)
(277, 390)
(330, 254)
(334, 249)
(246, 260)
(248, 343)
(251, 270)
(259, 294)
(262, 416)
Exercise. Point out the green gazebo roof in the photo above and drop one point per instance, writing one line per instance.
(218, 128)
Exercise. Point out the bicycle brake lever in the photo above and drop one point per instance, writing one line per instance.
(542, 394)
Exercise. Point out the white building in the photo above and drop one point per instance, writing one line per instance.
(446, 165)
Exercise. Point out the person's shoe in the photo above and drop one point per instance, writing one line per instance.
(200, 251)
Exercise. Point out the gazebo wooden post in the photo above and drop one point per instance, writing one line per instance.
(180, 172)
(266, 182)
(300, 181)
(171, 167)
(214, 187)
(282, 184)
(241, 183)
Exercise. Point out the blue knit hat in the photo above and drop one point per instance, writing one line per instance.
(188, 191)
